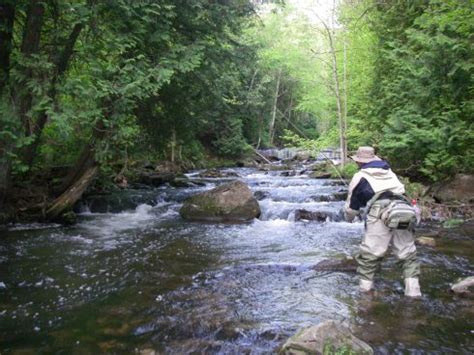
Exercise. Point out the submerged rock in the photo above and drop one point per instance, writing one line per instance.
(340, 196)
(260, 195)
(230, 202)
(337, 265)
(318, 216)
(337, 196)
(327, 337)
(335, 183)
(464, 286)
(214, 173)
(427, 241)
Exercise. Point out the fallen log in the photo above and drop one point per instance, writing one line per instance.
(68, 198)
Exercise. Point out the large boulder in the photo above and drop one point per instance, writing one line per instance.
(329, 337)
(230, 202)
(461, 188)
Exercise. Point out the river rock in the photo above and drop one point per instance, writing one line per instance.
(337, 196)
(320, 175)
(335, 183)
(322, 198)
(340, 196)
(317, 216)
(461, 188)
(327, 337)
(230, 202)
(464, 286)
(261, 195)
(156, 178)
(427, 241)
(183, 181)
(214, 173)
(302, 155)
(337, 265)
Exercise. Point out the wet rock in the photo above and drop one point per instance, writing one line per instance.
(67, 218)
(319, 166)
(322, 198)
(427, 241)
(327, 337)
(340, 196)
(156, 179)
(261, 195)
(288, 173)
(147, 165)
(461, 188)
(302, 155)
(230, 202)
(183, 181)
(214, 173)
(337, 196)
(275, 167)
(317, 216)
(335, 183)
(248, 163)
(464, 286)
(117, 201)
(337, 265)
(320, 175)
(166, 167)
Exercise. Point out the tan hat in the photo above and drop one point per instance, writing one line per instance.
(365, 155)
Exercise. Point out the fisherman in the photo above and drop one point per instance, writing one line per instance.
(372, 190)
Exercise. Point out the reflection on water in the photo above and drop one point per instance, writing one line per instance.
(142, 278)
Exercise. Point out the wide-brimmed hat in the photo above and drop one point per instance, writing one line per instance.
(365, 155)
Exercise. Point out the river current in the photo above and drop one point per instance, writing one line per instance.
(132, 276)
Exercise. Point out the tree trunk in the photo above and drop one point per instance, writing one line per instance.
(340, 114)
(5, 167)
(344, 120)
(173, 145)
(61, 67)
(30, 45)
(7, 16)
(69, 197)
(80, 176)
(274, 108)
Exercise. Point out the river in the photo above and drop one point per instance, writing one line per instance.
(132, 276)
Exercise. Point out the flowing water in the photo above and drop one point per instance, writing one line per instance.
(133, 276)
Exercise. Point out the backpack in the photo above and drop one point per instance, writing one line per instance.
(398, 214)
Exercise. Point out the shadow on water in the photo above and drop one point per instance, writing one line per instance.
(144, 279)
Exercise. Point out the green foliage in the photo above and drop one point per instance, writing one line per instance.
(349, 170)
(330, 349)
(452, 223)
(421, 103)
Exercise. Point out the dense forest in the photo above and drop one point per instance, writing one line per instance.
(92, 88)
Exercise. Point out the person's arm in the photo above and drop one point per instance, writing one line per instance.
(350, 213)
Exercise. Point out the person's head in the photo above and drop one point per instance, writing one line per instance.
(364, 155)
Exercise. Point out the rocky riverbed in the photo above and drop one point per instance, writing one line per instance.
(133, 276)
